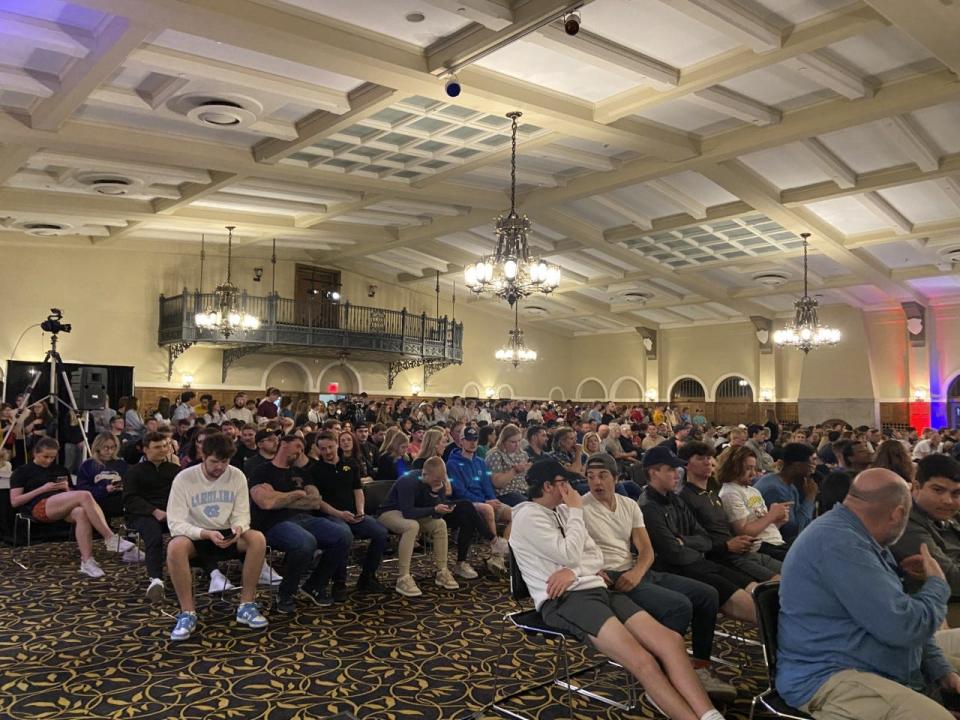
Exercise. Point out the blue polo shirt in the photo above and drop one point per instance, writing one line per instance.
(775, 490)
(843, 607)
(470, 478)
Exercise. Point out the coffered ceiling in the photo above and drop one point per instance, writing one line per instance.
(669, 154)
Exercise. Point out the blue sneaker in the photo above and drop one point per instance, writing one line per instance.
(186, 624)
(249, 614)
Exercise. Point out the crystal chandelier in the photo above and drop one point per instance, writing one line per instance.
(226, 314)
(512, 272)
(515, 351)
(806, 332)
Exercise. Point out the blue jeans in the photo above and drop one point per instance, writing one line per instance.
(676, 602)
(299, 538)
(368, 528)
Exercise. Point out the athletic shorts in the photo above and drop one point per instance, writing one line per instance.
(583, 612)
(207, 550)
(39, 512)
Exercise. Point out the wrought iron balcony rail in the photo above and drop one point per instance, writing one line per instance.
(315, 327)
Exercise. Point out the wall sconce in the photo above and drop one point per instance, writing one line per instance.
(920, 394)
(489, 392)
(187, 380)
(651, 395)
(766, 395)
(415, 390)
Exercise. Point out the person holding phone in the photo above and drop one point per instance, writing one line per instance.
(42, 487)
(208, 513)
(102, 475)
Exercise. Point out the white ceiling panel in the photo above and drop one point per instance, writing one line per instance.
(793, 12)
(690, 117)
(904, 254)
(774, 86)
(849, 215)
(880, 51)
(938, 287)
(922, 202)
(865, 147)
(940, 123)
(788, 166)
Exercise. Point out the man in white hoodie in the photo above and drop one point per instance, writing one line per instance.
(208, 513)
(562, 568)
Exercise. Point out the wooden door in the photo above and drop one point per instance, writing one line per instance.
(312, 289)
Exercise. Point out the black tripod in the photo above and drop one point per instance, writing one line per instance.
(57, 370)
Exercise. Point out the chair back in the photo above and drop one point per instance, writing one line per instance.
(374, 493)
(518, 588)
(766, 596)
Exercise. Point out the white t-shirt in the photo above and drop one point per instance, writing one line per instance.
(744, 502)
(611, 531)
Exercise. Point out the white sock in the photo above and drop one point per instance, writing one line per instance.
(712, 714)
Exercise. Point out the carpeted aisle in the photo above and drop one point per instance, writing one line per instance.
(76, 648)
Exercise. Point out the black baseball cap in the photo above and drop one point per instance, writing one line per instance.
(470, 433)
(548, 471)
(263, 435)
(602, 461)
(661, 455)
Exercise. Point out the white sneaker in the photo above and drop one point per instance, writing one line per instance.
(133, 555)
(219, 583)
(445, 580)
(407, 586)
(155, 590)
(499, 546)
(465, 570)
(269, 576)
(117, 544)
(496, 564)
(90, 568)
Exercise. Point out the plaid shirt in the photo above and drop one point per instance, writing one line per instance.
(500, 462)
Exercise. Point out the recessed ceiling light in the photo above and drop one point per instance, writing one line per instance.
(415, 17)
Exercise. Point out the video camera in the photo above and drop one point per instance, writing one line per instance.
(53, 325)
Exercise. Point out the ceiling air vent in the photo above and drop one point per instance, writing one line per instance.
(636, 297)
(221, 113)
(771, 279)
(535, 311)
(107, 183)
(41, 229)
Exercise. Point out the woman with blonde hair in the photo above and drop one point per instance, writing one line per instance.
(394, 461)
(508, 465)
(430, 446)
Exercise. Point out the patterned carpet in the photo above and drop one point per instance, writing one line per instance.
(76, 648)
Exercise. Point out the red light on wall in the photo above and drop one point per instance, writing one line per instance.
(919, 415)
(333, 388)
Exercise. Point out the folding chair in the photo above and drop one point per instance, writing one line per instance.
(530, 622)
(27, 520)
(767, 598)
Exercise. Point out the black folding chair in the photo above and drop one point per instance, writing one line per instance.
(531, 622)
(767, 598)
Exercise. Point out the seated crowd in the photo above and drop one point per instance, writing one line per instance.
(630, 525)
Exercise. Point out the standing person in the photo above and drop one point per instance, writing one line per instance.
(208, 512)
(284, 498)
(417, 503)
(267, 409)
(338, 481)
(852, 643)
(239, 411)
(561, 566)
(42, 487)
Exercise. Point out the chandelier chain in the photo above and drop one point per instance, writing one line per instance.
(513, 162)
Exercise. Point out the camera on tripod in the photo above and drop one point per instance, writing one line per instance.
(53, 325)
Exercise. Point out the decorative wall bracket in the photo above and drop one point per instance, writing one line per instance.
(231, 355)
(173, 352)
(395, 368)
(432, 367)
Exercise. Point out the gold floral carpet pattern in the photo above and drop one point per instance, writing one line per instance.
(76, 648)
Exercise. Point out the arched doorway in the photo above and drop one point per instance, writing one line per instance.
(733, 401)
(557, 395)
(953, 403)
(292, 380)
(687, 390)
(626, 388)
(591, 389)
(343, 376)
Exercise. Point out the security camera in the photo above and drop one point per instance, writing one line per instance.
(452, 86)
(257, 274)
(571, 23)
(372, 290)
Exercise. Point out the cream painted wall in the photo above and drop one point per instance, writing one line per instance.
(110, 296)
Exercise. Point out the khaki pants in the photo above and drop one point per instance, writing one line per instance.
(408, 530)
(855, 695)
(949, 642)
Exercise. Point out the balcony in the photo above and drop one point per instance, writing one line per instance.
(316, 328)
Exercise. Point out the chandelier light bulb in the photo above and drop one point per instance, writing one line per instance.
(510, 269)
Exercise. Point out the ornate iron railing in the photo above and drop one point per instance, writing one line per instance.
(321, 326)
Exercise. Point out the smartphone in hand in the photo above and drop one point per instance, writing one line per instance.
(226, 534)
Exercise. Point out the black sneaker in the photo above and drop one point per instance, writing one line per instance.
(339, 592)
(370, 584)
(285, 604)
(318, 596)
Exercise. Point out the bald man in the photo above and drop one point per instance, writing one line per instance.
(852, 643)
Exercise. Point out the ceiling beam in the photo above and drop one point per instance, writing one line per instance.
(13, 158)
(733, 20)
(736, 105)
(823, 157)
(493, 14)
(368, 100)
(641, 221)
(880, 207)
(932, 23)
(692, 206)
(803, 38)
(28, 82)
(913, 141)
(46, 34)
(194, 191)
(110, 50)
(737, 178)
(830, 74)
